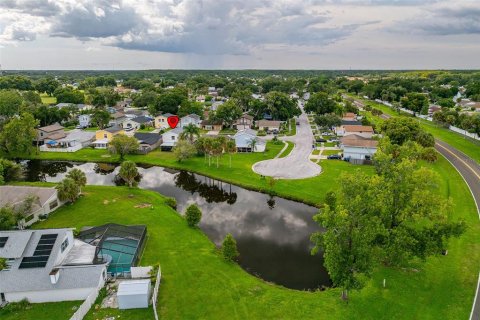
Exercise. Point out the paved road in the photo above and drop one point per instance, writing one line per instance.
(470, 171)
(296, 165)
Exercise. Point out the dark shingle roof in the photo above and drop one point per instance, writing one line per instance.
(147, 137)
(142, 119)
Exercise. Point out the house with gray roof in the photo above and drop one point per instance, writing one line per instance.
(170, 138)
(45, 201)
(48, 265)
(148, 141)
(245, 139)
(190, 119)
(75, 140)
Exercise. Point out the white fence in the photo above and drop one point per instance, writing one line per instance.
(465, 132)
(155, 292)
(86, 305)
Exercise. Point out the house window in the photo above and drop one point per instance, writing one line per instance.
(105, 135)
(41, 134)
(173, 138)
(53, 204)
(64, 244)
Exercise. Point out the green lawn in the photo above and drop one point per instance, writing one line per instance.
(286, 152)
(315, 152)
(198, 284)
(330, 152)
(147, 129)
(46, 99)
(44, 311)
(293, 128)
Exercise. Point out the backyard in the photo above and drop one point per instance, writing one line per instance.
(194, 272)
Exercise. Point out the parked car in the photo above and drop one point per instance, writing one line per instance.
(334, 157)
(320, 140)
(327, 134)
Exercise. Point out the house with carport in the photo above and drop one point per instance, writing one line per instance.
(244, 141)
(358, 149)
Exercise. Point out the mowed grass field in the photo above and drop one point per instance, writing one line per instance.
(198, 284)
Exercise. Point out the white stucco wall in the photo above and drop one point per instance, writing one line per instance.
(50, 295)
(357, 152)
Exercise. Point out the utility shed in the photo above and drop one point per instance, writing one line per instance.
(133, 294)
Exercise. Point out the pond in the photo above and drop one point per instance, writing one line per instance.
(272, 233)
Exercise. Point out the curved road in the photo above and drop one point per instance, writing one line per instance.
(470, 171)
(297, 164)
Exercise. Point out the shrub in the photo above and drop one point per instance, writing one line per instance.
(17, 306)
(193, 215)
(229, 248)
(429, 154)
(171, 202)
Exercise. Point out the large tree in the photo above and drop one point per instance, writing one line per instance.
(184, 150)
(416, 102)
(10, 103)
(18, 134)
(320, 103)
(47, 85)
(229, 112)
(402, 129)
(69, 95)
(122, 145)
(101, 118)
(328, 120)
(280, 106)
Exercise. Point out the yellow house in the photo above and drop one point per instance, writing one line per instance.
(161, 121)
(103, 137)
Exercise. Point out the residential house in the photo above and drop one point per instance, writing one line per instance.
(74, 141)
(46, 201)
(269, 125)
(244, 122)
(103, 137)
(50, 133)
(433, 108)
(48, 265)
(170, 138)
(345, 130)
(148, 141)
(212, 125)
(84, 120)
(161, 121)
(117, 119)
(190, 119)
(357, 148)
(243, 141)
(349, 116)
(215, 105)
(136, 123)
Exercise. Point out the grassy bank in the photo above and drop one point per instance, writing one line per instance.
(286, 152)
(197, 283)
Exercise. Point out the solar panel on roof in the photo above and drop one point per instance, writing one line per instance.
(3, 241)
(41, 253)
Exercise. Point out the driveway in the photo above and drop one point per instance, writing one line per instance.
(296, 165)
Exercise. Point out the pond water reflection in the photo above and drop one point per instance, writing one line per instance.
(272, 233)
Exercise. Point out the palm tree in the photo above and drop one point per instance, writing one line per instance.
(128, 172)
(190, 132)
(230, 148)
(253, 143)
(68, 190)
(79, 177)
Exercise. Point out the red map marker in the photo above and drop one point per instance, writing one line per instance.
(173, 121)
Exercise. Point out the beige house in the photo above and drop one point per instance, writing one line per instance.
(51, 132)
(269, 125)
(161, 121)
(244, 122)
(212, 125)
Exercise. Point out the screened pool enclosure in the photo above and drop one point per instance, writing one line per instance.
(119, 245)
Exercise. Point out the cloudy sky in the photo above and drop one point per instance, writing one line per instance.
(239, 34)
